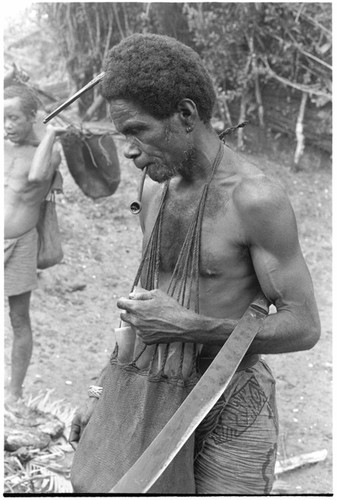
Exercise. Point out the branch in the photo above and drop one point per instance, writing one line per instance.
(291, 463)
(98, 29)
(298, 47)
(303, 88)
(304, 52)
(121, 32)
(108, 38)
(126, 21)
(300, 137)
(148, 6)
(311, 20)
(71, 47)
(91, 37)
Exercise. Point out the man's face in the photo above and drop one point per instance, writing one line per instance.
(159, 145)
(18, 126)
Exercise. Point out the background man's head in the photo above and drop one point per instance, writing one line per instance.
(28, 101)
(20, 108)
(156, 72)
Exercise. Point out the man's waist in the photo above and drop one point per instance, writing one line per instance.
(247, 362)
(16, 238)
(19, 222)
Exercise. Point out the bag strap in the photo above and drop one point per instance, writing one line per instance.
(188, 261)
(185, 276)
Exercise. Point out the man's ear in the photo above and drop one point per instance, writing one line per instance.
(188, 114)
(33, 117)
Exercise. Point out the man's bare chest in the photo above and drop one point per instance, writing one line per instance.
(218, 244)
(17, 163)
(17, 187)
(216, 234)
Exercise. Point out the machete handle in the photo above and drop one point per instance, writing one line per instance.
(260, 304)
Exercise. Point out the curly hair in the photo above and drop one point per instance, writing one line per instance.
(156, 72)
(29, 102)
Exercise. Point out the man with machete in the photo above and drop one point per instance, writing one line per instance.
(242, 233)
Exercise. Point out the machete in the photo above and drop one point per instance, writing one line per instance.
(158, 455)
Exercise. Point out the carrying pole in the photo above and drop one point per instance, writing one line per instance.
(73, 98)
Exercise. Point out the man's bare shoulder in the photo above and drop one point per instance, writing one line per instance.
(9, 146)
(10, 149)
(265, 212)
(256, 192)
(19, 155)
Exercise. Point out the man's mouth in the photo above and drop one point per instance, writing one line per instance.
(142, 167)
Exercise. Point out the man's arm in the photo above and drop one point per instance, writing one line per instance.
(268, 220)
(272, 237)
(83, 414)
(46, 159)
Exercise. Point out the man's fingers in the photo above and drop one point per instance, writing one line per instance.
(125, 317)
(131, 305)
(73, 444)
(74, 435)
(140, 294)
(124, 303)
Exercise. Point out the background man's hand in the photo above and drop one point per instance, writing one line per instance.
(56, 129)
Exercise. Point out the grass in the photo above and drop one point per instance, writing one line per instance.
(46, 470)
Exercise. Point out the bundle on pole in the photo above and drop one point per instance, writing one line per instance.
(92, 160)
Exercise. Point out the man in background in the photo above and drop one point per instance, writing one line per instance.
(30, 166)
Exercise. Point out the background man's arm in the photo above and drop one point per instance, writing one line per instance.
(46, 159)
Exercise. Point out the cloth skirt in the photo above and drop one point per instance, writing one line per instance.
(236, 443)
(20, 264)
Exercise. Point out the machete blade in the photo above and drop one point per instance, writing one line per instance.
(154, 460)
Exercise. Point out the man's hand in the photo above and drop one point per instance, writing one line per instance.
(156, 317)
(56, 129)
(79, 422)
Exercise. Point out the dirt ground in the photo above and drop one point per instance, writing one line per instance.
(73, 312)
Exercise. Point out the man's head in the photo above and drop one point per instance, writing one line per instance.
(20, 108)
(156, 72)
(159, 93)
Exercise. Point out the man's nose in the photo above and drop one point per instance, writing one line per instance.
(7, 124)
(131, 151)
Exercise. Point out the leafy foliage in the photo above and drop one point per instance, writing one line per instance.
(289, 42)
(245, 46)
(84, 32)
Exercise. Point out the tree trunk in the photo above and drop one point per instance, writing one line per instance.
(242, 118)
(120, 29)
(226, 112)
(258, 97)
(299, 132)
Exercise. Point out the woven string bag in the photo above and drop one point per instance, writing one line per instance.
(141, 394)
(92, 160)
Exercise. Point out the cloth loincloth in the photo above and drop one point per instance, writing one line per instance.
(20, 263)
(236, 444)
